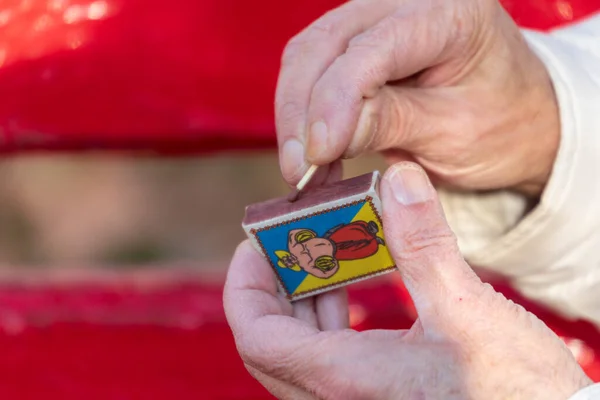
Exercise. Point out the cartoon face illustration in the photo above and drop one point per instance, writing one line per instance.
(321, 256)
(310, 253)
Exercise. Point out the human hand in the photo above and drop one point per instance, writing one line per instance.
(449, 84)
(468, 342)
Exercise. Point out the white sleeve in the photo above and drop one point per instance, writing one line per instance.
(591, 392)
(551, 253)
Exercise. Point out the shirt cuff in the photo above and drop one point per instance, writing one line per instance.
(551, 253)
(591, 392)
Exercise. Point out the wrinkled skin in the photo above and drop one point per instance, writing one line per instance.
(468, 342)
(450, 84)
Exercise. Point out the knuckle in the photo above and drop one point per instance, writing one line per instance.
(249, 350)
(438, 240)
(345, 95)
(268, 359)
(398, 123)
(286, 109)
(364, 40)
(337, 91)
(326, 26)
(323, 377)
(367, 72)
(383, 32)
(294, 50)
(377, 129)
(404, 115)
(251, 353)
(327, 29)
(326, 384)
(513, 311)
(280, 365)
(287, 114)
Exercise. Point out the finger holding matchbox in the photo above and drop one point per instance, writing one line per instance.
(322, 238)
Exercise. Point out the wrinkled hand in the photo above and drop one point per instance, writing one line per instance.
(449, 84)
(468, 342)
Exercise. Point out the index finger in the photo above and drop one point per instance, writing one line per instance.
(251, 289)
(306, 57)
(261, 320)
(401, 45)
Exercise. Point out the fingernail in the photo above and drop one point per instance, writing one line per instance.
(317, 139)
(292, 159)
(410, 184)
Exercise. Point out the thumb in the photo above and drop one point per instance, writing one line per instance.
(422, 244)
(391, 119)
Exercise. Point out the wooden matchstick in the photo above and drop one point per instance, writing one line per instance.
(303, 182)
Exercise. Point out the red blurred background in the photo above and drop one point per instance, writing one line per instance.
(163, 77)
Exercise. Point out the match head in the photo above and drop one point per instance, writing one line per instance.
(293, 196)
